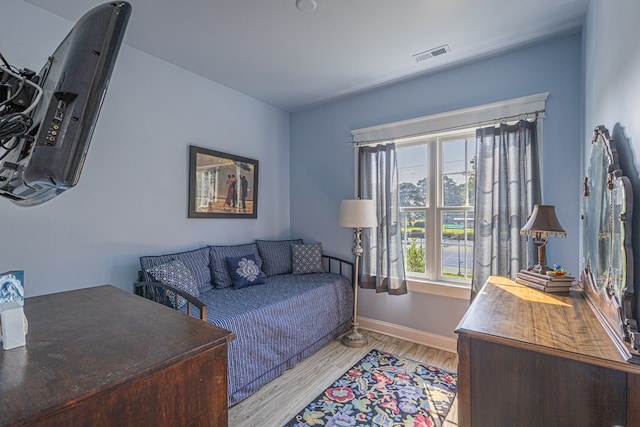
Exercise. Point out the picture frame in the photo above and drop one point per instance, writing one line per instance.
(222, 185)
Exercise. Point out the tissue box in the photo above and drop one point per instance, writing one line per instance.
(12, 318)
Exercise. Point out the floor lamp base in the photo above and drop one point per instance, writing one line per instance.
(354, 338)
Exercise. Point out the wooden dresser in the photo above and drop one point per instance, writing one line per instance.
(102, 356)
(529, 358)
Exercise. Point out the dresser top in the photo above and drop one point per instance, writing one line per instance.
(517, 315)
(81, 342)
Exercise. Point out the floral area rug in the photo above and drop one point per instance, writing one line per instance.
(383, 390)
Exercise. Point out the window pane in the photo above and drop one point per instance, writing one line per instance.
(458, 172)
(453, 156)
(454, 189)
(413, 239)
(471, 189)
(412, 175)
(471, 154)
(457, 245)
(471, 171)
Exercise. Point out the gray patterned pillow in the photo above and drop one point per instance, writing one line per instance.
(306, 259)
(197, 261)
(276, 255)
(176, 274)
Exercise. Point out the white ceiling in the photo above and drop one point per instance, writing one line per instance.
(270, 50)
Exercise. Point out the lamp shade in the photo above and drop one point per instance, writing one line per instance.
(543, 219)
(356, 213)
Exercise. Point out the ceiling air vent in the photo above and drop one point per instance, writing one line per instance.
(441, 50)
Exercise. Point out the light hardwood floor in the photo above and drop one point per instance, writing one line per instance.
(278, 401)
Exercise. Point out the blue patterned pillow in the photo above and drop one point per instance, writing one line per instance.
(218, 264)
(306, 259)
(197, 261)
(276, 255)
(176, 274)
(244, 271)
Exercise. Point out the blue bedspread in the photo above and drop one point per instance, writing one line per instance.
(278, 324)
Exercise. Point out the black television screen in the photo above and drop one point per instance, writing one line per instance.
(48, 158)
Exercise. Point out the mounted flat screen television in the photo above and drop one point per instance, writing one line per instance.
(48, 158)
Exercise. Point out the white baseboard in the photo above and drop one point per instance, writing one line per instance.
(419, 337)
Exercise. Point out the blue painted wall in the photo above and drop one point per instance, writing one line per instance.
(322, 162)
(132, 196)
(131, 199)
(612, 93)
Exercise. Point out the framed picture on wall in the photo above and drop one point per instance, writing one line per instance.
(222, 185)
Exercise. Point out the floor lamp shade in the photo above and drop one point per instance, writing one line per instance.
(356, 213)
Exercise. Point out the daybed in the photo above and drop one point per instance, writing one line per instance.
(296, 301)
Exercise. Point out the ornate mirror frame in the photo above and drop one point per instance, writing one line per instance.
(607, 277)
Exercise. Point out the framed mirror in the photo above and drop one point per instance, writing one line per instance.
(607, 277)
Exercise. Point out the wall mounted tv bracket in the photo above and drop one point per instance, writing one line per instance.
(19, 94)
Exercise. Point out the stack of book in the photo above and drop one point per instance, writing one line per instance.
(543, 282)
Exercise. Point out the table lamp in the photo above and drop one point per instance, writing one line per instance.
(542, 224)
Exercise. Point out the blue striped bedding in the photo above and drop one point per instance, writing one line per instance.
(278, 324)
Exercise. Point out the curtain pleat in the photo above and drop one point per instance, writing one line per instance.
(382, 261)
(507, 187)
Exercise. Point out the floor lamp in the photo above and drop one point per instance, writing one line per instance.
(357, 214)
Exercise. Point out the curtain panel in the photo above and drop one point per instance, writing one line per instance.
(382, 261)
(507, 187)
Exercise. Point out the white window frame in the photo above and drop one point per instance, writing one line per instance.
(434, 207)
(443, 122)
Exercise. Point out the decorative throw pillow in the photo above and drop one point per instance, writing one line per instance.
(306, 259)
(197, 261)
(176, 274)
(244, 271)
(218, 263)
(276, 255)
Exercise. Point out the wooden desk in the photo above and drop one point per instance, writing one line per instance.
(529, 358)
(103, 356)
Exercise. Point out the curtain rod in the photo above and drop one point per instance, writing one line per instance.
(523, 116)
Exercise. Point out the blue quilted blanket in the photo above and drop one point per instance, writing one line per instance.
(278, 324)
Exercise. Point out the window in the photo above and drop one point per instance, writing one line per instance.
(436, 190)
(436, 180)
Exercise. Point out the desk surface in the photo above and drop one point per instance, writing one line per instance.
(537, 359)
(510, 313)
(84, 341)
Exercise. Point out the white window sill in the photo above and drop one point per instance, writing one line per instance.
(444, 289)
